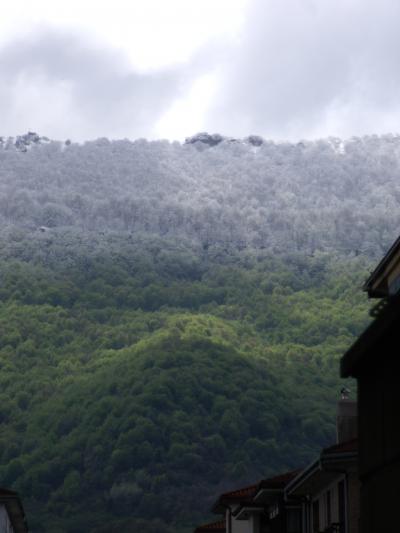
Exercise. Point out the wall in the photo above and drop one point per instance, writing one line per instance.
(5, 524)
(379, 415)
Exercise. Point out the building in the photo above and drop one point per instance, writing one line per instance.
(322, 498)
(12, 516)
(374, 361)
(328, 491)
(282, 513)
(258, 508)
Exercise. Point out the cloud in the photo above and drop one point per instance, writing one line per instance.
(312, 68)
(294, 69)
(62, 86)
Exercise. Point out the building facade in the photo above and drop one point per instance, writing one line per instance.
(374, 362)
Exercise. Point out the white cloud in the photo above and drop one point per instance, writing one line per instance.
(154, 34)
(313, 67)
(128, 68)
(188, 114)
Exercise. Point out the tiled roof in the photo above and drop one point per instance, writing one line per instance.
(209, 528)
(382, 264)
(343, 447)
(278, 482)
(243, 494)
(240, 494)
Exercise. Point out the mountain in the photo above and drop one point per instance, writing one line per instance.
(172, 315)
(329, 195)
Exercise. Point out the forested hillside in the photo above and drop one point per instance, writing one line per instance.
(325, 195)
(171, 317)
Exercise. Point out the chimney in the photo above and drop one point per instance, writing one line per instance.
(346, 418)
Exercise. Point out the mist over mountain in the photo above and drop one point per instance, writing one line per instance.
(172, 316)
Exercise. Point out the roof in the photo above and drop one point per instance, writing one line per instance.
(246, 495)
(278, 482)
(240, 494)
(380, 270)
(209, 528)
(333, 460)
(362, 351)
(243, 494)
(246, 509)
(350, 446)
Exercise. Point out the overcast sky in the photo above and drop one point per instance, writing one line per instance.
(283, 69)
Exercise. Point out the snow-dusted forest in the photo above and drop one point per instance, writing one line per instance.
(327, 195)
(172, 316)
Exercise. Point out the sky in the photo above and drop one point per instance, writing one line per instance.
(282, 69)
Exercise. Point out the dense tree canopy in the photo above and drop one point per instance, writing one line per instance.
(171, 318)
(323, 195)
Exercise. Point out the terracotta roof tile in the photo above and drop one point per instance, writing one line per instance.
(280, 481)
(240, 494)
(246, 494)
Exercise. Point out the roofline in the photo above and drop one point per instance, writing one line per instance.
(332, 457)
(338, 447)
(303, 475)
(270, 491)
(381, 266)
(318, 465)
(247, 509)
(225, 500)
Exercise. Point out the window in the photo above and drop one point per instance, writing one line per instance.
(273, 511)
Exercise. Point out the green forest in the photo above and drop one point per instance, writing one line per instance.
(140, 377)
(172, 316)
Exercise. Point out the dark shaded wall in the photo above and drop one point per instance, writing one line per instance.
(379, 435)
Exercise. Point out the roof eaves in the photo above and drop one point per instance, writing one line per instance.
(381, 265)
(365, 342)
(234, 496)
(303, 476)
